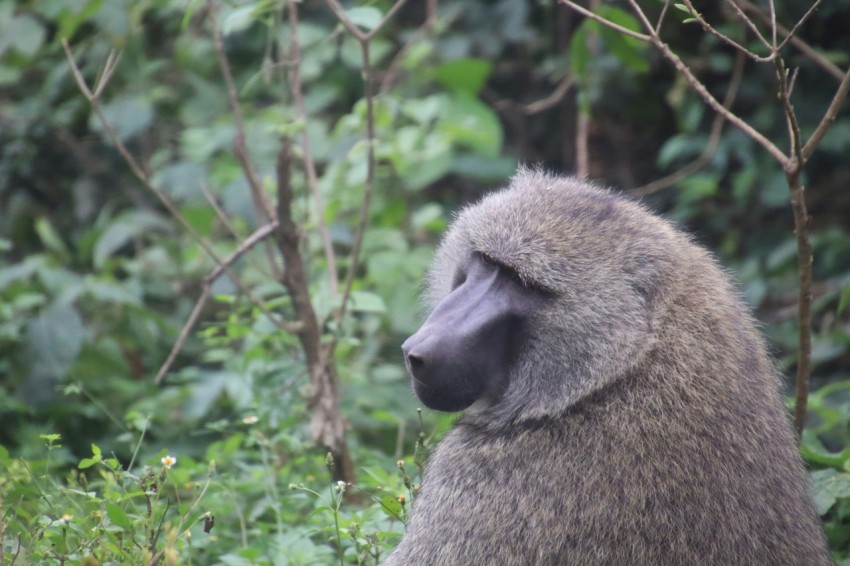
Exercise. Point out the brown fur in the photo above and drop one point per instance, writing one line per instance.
(642, 422)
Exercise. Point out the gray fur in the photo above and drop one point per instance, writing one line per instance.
(642, 422)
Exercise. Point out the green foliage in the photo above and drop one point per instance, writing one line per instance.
(97, 279)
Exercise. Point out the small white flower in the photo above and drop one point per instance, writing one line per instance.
(169, 461)
(250, 419)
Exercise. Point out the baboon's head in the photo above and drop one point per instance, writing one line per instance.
(541, 294)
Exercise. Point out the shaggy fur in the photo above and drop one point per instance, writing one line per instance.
(642, 422)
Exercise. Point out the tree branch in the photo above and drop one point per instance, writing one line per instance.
(306, 150)
(326, 425)
(694, 82)
(258, 236)
(713, 138)
(261, 202)
(828, 118)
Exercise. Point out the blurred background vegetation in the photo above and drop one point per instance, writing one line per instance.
(97, 277)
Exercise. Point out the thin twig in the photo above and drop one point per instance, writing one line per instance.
(326, 424)
(134, 165)
(772, 8)
(725, 38)
(802, 220)
(748, 22)
(225, 220)
(828, 117)
(261, 203)
(713, 138)
(306, 150)
(551, 100)
(587, 13)
(427, 26)
(582, 151)
(806, 49)
(222, 267)
(368, 185)
(694, 82)
(359, 34)
(789, 35)
(660, 21)
(143, 177)
(219, 212)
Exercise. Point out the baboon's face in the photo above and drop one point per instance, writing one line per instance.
(466, 348)
(540, 295)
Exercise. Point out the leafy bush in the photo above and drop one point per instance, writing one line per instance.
(98, 278)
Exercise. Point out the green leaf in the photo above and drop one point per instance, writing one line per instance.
(469, 122)
(362, 301)
(122, 230)
(630, 55)
(23, 34)
(580, 51)
(128, 115)
(238, 19)
(86, 463)
(845, 299)
(366, 17)
(49, 237)
(697, 187)
(391, 506)
(70, 20)
(829, 486)
(466, 75)
(118, 516)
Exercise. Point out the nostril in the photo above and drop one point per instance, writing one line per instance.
(415, 361)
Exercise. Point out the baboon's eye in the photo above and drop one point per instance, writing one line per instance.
(505, 269)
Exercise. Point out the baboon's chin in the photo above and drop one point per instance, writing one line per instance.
(440, 399)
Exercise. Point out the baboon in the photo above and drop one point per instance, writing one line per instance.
(620, 406)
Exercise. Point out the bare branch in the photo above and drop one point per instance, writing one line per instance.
(368, 95)
(219, 212)
(221, 268)
(134, 165)
(552, 100)
(392, 70)
(261, 203)
(306, 150)
(801, 45)
(713, 138)
(828, 118)
(368, 185)
(359, 34)
(749, 23)
(751, 132)
(143, 177)
(685, 71)
(791, 34)
(582, 151)
(661, 16)
(772, 24)
(108, 68)
(326, 425)
(802, 220)
(725, 38)
(585, 12)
